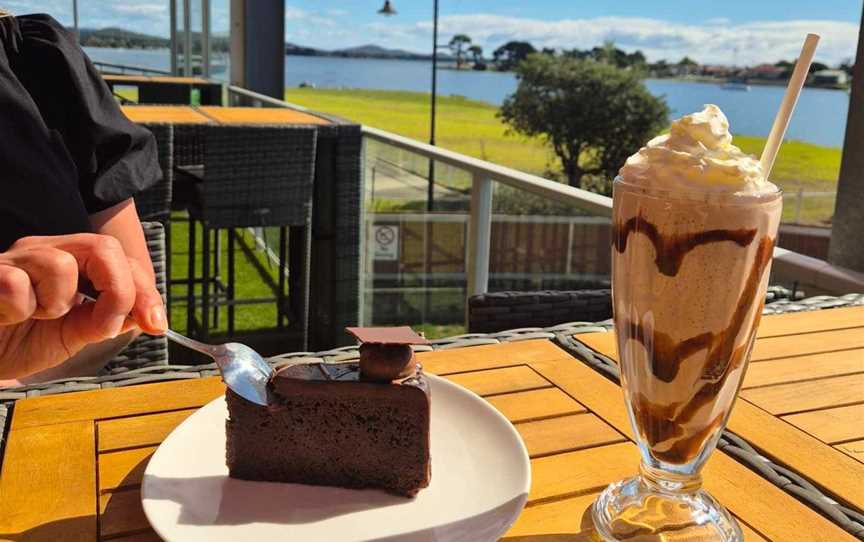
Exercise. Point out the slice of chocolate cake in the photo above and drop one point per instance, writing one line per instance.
(355, 425)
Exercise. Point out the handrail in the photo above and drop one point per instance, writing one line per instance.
(809, 270)
(588, 201)
(124, 67)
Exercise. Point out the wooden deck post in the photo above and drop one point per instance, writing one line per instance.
(848, 224)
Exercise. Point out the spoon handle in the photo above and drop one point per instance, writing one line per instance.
(86, 289)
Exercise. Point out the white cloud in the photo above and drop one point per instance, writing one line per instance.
(295, 16)
(337, 12)
(141, 9)
(709, 43)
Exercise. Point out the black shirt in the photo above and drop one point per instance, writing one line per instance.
(66, 149)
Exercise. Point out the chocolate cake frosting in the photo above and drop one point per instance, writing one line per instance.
(333, 424)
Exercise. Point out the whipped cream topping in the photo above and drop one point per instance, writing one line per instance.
(697, 154)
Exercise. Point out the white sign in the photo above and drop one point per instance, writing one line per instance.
(385, 239)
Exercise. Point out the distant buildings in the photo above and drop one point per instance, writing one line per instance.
(836, 78)
(766, 71)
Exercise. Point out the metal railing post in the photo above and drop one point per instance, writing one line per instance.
(479, 237)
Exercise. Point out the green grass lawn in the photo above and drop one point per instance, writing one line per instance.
(252, 281)
(471, 127)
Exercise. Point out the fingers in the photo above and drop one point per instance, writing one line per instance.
(101, 259)
(148, 310)
(53, 277)
(17, 298)
(118, 280)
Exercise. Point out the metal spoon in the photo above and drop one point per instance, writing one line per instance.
(243, 369)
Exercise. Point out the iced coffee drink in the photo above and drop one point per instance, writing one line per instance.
(694, 225)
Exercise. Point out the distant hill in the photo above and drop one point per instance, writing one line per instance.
(118, 37)
(361, 51)
(122, 38)
(126, 39)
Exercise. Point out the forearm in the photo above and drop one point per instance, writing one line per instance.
(121, 222)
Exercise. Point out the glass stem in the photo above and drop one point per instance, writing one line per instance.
(669, 482)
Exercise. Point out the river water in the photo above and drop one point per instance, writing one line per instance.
(820, 116)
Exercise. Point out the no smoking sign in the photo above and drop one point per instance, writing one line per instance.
(385, 240)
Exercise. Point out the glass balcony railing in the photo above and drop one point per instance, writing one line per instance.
(492, 228)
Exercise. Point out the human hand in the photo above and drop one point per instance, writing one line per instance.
(43, 323)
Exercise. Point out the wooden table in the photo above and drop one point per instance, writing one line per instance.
(74, 462)
(168, 89)
(180, 114)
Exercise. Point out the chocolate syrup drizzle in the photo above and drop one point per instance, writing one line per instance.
(670, 251)
(659, 423)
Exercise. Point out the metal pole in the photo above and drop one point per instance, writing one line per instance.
(430, 196)
(173, 8)
(187, 37)
(75, 19)
(480, 233)
(205, 39)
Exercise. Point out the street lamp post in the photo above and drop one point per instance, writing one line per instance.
(75, 20)
(388, 10)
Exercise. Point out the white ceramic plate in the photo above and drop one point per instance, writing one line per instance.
(480, 481)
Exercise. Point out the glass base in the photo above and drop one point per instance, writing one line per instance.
(633, 510)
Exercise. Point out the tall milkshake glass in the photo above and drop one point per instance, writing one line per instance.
(690, 265)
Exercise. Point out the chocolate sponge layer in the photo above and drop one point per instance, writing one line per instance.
(334, 432)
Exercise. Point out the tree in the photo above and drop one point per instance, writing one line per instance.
(593, 115)
(511, 54)
(458, 45)
(818, 67)
(476, 54)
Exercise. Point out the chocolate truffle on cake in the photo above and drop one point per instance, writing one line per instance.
(386, 353)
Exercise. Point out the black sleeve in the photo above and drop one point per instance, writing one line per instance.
(115, 158)
(38, 184)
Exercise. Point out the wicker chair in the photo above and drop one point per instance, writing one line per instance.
(491, 312)
(259, 176)
(155, 202)
(497, 311)
(146, 350)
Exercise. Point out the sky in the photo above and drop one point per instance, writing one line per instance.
(743, 32)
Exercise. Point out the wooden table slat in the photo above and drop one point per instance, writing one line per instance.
(832, 425)
(801, 368)
(260, 115)
(506, 380)
(807, 343)
(566, 433)
(808, 322)
(535, 404)
(134, 431)
(121, 513)
(164, 113)
(583, 471)
(854, 449)
(124, 468)
(809, 395)
(115, 402)
(569, 521)
(47, 483)
(147, 536)
(491, 356)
